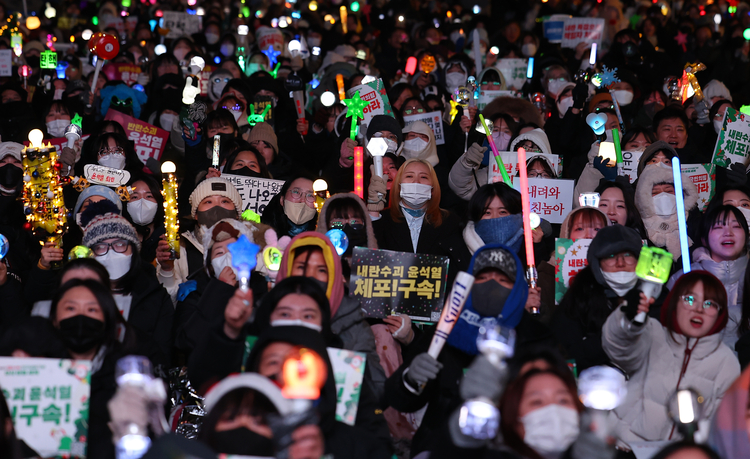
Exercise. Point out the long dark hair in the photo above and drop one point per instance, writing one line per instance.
(274, 215)
(8, 441)
(237, 402)
(103, 298)
(673, 448)
(244, 146)
(155, 188)
(633, 219)
(482, 198)
(720, 214)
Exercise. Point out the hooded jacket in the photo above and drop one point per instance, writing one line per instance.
(565, 227)
(652, 150)
(501, 78)
(323, 224)
(662, 232)
(429, 153)
(656, 361)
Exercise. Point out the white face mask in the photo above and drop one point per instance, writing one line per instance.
(117, 264)
(555, 86)
(114, 161)
(142, 211)
(296, 323)
(665, 205)
(166, 120)
(623, 96)
(621, 282)
(718, 125)
(212, 38)
(236, 114)
(227, 49)
(415, 195)
(454, 80)
(221, 262)
(180, 54)
(56, 128)
(550, 430)
(528, 49)
(563, 106)
(414, 146)
(746, 213)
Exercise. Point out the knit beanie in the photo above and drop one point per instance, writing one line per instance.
(11, 149)
(98, 190)
(109, 226)
(264, 131)
(598, 98)
(385, 123)
(215, 186)
(609, 241)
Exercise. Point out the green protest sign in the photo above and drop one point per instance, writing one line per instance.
(348, 372)
(733, 143)
(570, 259)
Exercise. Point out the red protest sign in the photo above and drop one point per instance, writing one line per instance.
(204, 76)
(128, 73)
(150, 141)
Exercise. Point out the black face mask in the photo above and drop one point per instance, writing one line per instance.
(243, 441)
(245, 172)
(357, 238)
(81, 333)
(224, 140)
(10, 176)
(208, 218)
(488, 298)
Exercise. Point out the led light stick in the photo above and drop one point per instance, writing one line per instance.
(105, 47)
(340, 86)
(377, 148)
(354, 109)
(171, 215)
(476, 51)
(244, 259)
(601, 389)
(618, 152)
(654, 265)
(528, 237)
(339, 239)
(295, 85)
(411, 65)
(73, 131)
(471, 85)
(24, 71)
(80, 251)
(216, 150)
(359, 173)
(498, 159)
(320, 188)
(253, 119)
(4, 246)
(343, 14)
(451, 311)
(681, 223)
(685, 407)
(592, 56)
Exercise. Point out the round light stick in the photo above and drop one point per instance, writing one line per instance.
(4, 246)
(272, 258)
(80, 251)
(339, 240)
(105, 48)
(328, 98)
(377, 148)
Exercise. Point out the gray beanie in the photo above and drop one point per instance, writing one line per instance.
(109, 226)
(609, 241)
(98, 190)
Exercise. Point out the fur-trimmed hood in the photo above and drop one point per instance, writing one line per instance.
(538, 136)
(323, 225)
(516, 107)
(429, 153)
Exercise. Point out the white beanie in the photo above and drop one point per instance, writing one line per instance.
(11, 148)
(215, 186)
(716, 88)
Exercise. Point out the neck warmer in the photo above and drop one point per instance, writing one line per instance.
(506, 230)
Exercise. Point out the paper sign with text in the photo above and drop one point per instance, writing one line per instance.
(49, 403)
(570, 259)
(180, 24)
(149, 140)
(703, 177)
(630, 161)
(387, 282)
(128, 73)
(551, 199)
(6, 62)
(487, 96)
(553, 27)
(348, 372)
(733, 143)
(514, 71)
(432, 119)
(107, 176)
(256, 192)
(577, 30)
(510, 160)
(374, 93)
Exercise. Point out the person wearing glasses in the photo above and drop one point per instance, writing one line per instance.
(111, 150)
(682, 349)
(292, 211)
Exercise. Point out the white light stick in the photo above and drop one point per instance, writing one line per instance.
(476, 51)
(592, 57)
(217, 148)
(451, 311)
(377, 148)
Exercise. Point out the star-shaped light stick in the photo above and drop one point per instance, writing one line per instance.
(244, 259)
(355, 109)
(253, 119)
(272, 55)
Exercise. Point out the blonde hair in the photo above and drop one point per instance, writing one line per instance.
(433, 213)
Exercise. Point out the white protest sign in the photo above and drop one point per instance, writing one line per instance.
(375, 95)
(486, 96)
(510, 161)
(348, 372)
(6, 62)
(180, 24)
(256, 192)
(630, 161)
(514, 71)
(107, 176)
(703, 177)
(577, 30)
(432, 119)
(49, 403)
(551, 199)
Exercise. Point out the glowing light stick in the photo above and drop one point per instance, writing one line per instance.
(377, 148)
(528, 237)
(4, 246)
(530, 69)
(340, 86)
(592, 56)
(216, 150)
(253, 119)
(73, 131)
(171, 215)
(320, 188)
(618, 151)
(105, 47)
(244, 259)
(304, 374)
(359, 174)
(339, 240)
(654, 265)
(80, 251)
(681, 223)
(355, 109)
(471, 85)
(601, 389)
(343, 14)
(272, 258)
(411, 65)
(498, 159)
(272, 55)
(451, 311)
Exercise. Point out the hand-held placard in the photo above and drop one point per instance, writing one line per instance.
(451, 311)
(654, 265)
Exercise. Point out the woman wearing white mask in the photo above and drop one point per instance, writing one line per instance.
(554, 80)
(146, 212)
(115, 151)
(57, 119)
(419, 142)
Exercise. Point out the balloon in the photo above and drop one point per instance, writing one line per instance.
(106, 48)
(94, 40)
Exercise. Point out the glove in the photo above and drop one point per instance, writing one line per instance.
(68, 159)
(474, 155)
(483, 379)
(580, 94)
(190, 92)
(630, 305)
(422, 370)
(346, 158)
(375, 201)
(609, 173)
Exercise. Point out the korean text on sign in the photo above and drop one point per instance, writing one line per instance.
(149, 140)
(570, 259)
(551, 199)
(256, 192)
(577, 30)
(432, 119)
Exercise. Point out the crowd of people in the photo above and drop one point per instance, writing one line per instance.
(114, 285)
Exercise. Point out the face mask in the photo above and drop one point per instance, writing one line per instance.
(392, 146)
(665, 205)
(528, 49)
(298, 212)
(166, 120)
(180, 54)
(56, 128)
(555, 86)
(10, 178)
(212, 38)
(312, 42)
(414, 146)
(33, 61)
(142, 211)
(114, 161)
(81, 333)
(623, 97)
(227, 49)
(502, 140)
(217, 88)
(357, 238)
(621, 282)
(208, 218)
(488, 298)
(415, 195)
(117, 264)
(243, 441)
(454, 80)
(651, 108)
(296, 323)
(221, 262)
(718, 125)
(236, 114)
(563, 106)
(550, 430)
(58, 94)
(506, 230)
(245, 172)
(746, 213)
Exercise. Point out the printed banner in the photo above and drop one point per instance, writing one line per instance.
(348, 372)
(514, 71)
(260, 103)
(703, 177)
(387, 282)
(570, 259)
(578, 30)
(180, 24)
(256, 192)
(150, 141)
(553, 27)
(630, 161)
(432, 119)
(128, 73)
(6, 62)
(487, 96)
(733, 143)
(510, 161)
(551, 199)
(374, 93)
(49, 403)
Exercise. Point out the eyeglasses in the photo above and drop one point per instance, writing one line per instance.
(708, 306)
(356, 224)
(611, 261)
(410, 111)
(537, 174)
(119, 246)
(391, 137)
(297, 195)
(112, 151)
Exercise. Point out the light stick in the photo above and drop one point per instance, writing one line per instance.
(343, 14)
(355, 109)
(359, 185)
(105, 47)
(377, 148)
(73, 131)
(527, 235)
(244, 259)
(530, 69)
(498, 159)
(451, 311)
(618, 151)
(216, 150)
(295, 85)
(171, 215)
(411, 65)
(654, 265)
(476, 51)
(304, 374)
(592, 56)
(681, 223)
(617, 109)
(320, 188)
(4, 246)
(471, 85)
(340, 86)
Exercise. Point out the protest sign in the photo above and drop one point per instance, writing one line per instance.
(487, 96)
(348, 372)
(6, 62)
(128, 73)
(630, 161)
(703, 177)
(180, 24)
(553, 27)
(570, 259)
(107, 176)
(510, 160)
(733, 143)
(432, 119)
(514, 71)
(49, 403)
(577, 30)
(256, 192)
(259, 105)
(387, 282)
(551, 199)
(374, 93)
(150, 141)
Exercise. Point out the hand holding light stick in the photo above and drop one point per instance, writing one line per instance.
(171, 214)
(681, 223)
(451, 311)
(498, 159)
(654, 265)
(618, 152)
(216, 150)
(527, 234)
(244, 259)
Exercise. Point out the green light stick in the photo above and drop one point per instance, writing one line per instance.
(618, 151)
(654, 266)
(355, 109)
(498, 159)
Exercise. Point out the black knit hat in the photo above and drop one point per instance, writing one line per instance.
(609, 241)
(385, 123)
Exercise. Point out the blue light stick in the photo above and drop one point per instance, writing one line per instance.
(682, 224)
(4, 246)
(244, 259)
(339, 240)
(530, 69)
